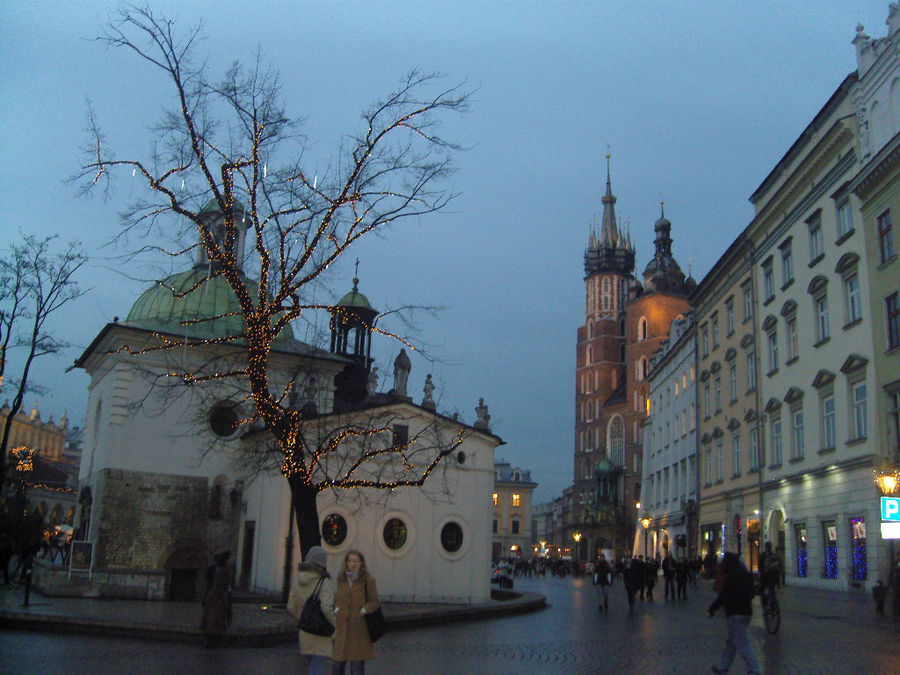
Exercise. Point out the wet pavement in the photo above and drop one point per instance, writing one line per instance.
(822, 632)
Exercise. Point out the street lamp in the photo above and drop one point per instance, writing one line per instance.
(645, 523)
(577, 537)
(887, 478)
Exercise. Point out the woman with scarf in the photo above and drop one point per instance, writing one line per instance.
(356, 596)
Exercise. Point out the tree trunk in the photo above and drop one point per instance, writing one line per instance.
(307, 514)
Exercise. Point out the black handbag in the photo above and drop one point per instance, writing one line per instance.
(312, 618)
(374, 621)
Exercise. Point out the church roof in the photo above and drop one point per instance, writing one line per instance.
(191, 297)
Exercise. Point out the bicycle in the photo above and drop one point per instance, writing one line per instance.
(771, 610)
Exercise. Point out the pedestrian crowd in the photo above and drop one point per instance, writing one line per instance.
(640, 576)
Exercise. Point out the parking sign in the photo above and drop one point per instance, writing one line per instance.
(890, 508)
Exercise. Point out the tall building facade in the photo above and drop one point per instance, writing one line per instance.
(626, 321)
(799, 401)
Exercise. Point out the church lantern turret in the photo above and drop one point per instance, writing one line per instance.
(352, 320)
(213, 219)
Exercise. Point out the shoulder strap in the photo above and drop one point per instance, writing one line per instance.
(318, 586)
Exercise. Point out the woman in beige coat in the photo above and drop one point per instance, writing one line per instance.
(356, 596)
(316, 649)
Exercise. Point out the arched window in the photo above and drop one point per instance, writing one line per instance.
(616, 441)
(642, 329)
(642, 368)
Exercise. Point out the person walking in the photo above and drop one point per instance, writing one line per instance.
(602, 581)
(638, 564)
(769, 568)
(651, 571)
(879, 592)
(681, 577)
(736, 596)
(356, 596)
(216, 600)
(668, 570)
(312, 573)
(894, 584)
(632, 577)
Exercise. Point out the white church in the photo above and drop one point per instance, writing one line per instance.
(169, 478)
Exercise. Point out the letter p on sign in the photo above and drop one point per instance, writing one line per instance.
(890, 508)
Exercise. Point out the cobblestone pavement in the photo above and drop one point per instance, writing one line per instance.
(821, 633)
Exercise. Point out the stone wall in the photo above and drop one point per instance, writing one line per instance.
(145, 515)
(131, 584)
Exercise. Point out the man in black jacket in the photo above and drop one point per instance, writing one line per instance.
(737, 597)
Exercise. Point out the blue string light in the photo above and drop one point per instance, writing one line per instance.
(802, 560)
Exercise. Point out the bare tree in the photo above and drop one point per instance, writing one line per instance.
(231, 144)
(35, 282)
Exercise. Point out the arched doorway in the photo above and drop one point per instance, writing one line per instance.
(184, 573)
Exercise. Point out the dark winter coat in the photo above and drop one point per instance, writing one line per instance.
(216, 600)
(602, 573)
(351, 637)
(737, 588)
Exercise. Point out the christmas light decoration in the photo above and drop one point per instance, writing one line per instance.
(387, 175)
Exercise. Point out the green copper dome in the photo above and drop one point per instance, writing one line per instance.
(212, 206)
(355, 299)
(161, 307)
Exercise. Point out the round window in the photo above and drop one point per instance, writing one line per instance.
(334, 529)
(223, 420)
(451, 537)
(395, 534)
(461, 457)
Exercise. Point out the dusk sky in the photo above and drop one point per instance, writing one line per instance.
(695, 101)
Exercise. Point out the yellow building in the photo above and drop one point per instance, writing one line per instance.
(511, 499)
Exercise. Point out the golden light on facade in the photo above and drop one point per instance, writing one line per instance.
(577, 537)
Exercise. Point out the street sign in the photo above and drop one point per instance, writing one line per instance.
(890, 508)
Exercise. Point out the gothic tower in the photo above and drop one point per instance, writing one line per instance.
(625, 322)
(600, 370)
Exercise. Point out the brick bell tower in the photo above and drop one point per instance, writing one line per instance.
(600, 375)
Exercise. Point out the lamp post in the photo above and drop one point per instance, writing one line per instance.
(577, 537)
(887, 478)
(645, 523)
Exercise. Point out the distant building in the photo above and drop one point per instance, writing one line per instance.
(511, 499)
(669, 496)
(53, 476)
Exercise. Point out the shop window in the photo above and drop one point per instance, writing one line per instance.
(829, 539)
(858, 549)
(800, 541)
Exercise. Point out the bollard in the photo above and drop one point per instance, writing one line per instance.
(27, 574)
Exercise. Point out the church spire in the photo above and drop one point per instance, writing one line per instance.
(609, 232)
(610, 251)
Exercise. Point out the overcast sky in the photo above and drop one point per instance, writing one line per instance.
(696, 100)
